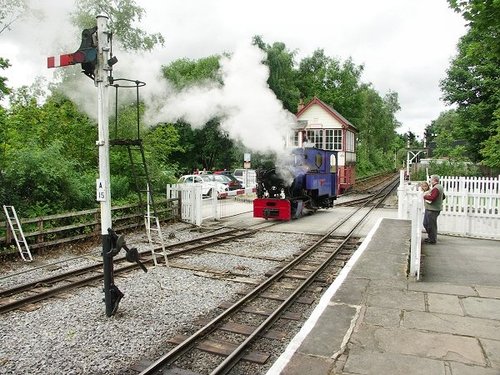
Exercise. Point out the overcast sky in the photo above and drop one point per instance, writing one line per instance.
(404, 45)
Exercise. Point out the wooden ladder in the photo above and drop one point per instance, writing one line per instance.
(17, 231)
(154, 233)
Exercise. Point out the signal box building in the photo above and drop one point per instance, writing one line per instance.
(323, 127)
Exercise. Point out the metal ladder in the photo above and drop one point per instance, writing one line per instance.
(17, 231)
(142, 186)
(152, 224)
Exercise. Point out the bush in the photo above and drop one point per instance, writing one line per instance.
(446, 168)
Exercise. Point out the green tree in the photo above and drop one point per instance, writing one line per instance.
(443, 136)
(11, 11)
(472, 81)
(334, 82)
(4, 90)
(377, 119)
(184, 72)
(123, 15)
(282, 73)
(46, 156)
(208, 147)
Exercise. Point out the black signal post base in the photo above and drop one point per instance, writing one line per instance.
(111, 245)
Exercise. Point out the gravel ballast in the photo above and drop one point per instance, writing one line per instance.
(72, 335)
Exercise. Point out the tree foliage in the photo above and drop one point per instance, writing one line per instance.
(444, 139)
(10, 12)
(184, 72)
(282, 73)
(473, 79)
(208, 147)
(123, 16)
(335, 82)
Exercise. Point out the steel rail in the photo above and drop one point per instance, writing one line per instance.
(230, 361)
(234, 357)
(39, 296)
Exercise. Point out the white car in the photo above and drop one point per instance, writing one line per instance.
(208, 185)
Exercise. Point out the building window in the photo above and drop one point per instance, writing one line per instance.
(350, 141)
(337, 139)
(315, 136)
(333, 139)
(329, 139)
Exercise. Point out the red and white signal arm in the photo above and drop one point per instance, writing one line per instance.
(65, 60)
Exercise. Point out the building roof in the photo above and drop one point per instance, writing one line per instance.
(344, 122)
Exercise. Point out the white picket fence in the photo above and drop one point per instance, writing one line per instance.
(196, 208)
(471, 209)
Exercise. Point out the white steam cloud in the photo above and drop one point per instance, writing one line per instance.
(247, 108)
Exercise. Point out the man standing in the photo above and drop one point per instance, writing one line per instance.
(433, 204)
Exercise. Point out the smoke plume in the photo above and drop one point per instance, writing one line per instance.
(247, 108)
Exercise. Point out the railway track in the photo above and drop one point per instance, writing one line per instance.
(159, 297)
(230, 341)
(29, 293)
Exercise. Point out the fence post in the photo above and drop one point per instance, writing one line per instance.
(401, 195)
(416, 233)
(40, 237)
(8, 233)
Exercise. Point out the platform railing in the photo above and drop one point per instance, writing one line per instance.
(411, 207)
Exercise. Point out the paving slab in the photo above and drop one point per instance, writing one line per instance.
(304, 364)
(461, 369)
(443, 288)
(488, 291)
(453, 324)
(487, 308)
(383, 317)
(353, 292)
(462, 261)
(406, 300)
(444, 303)
(492, 350)
(439, 346)
(328, 334)
(369, 363)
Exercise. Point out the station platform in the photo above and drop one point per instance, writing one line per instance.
(374, 319)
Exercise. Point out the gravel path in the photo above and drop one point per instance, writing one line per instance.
(73, 335)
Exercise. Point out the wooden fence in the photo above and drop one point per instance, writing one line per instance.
(67, 227)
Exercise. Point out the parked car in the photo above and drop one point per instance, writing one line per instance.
(225, 177)
(224, 171)
(248, 177)
(208, 184)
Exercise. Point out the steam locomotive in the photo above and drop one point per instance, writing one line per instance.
(302, 183)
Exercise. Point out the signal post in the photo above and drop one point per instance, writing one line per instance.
(94, 55)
